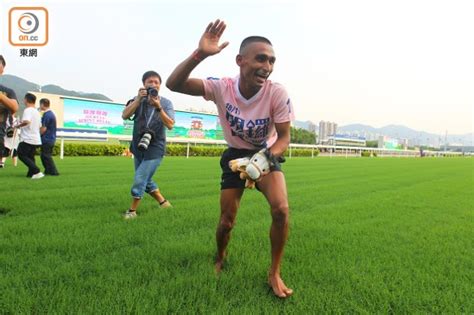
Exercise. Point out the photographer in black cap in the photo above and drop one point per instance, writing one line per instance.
(8, 107)
(151, 114)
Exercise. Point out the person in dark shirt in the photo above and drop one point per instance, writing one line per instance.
(48, 137)
(8, 107)
(152, 114)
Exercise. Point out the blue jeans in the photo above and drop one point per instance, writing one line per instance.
(144, 171)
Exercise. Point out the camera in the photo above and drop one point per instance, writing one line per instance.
(151, 91)
(145, 140)
(9, 132)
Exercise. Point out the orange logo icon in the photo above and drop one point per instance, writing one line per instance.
(28, 26)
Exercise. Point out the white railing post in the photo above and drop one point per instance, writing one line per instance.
(61, 151)
(187, 151)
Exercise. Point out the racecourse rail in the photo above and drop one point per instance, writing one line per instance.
(324, 150)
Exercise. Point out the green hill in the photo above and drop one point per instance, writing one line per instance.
(22, 86)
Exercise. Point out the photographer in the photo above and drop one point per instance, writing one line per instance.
(8, 107)
(151, 114)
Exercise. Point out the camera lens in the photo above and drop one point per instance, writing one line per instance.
(144, 141)
(152, 91)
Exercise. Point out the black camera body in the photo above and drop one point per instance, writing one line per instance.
(151, 91)
(145, 139)
(9, 132)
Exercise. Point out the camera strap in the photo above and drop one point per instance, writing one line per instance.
(148, 119)
(10, 119)
(147, 112)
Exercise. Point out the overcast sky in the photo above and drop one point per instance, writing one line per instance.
(371, 62)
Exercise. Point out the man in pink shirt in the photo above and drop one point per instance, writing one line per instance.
(255, 114)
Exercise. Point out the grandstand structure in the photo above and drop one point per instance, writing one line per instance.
(345, 140)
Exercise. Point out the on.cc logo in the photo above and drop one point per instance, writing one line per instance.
(28, 26)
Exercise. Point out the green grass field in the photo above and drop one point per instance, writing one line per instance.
(367, 235)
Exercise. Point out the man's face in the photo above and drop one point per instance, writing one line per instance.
(256, 64)
(1, 68)
(153, 81)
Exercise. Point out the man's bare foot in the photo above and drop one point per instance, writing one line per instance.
(279, 288)
(219, 264)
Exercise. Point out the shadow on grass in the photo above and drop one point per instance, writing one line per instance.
(4, 211)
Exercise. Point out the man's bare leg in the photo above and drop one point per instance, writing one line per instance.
(230, 201)
(273, 186)
(135, 203)
(156, 194)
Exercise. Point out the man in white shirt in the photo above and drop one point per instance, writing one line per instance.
(30, 137)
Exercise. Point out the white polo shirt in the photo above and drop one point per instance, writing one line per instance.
(31, 133)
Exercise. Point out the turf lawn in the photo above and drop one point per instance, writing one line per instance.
(367, 235)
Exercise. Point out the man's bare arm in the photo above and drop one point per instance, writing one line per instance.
(179, 80)
(23, 123)
(167, 121)
(130, 109)
(11, 104)
(283, 140)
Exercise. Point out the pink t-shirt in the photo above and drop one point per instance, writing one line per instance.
(249, 124)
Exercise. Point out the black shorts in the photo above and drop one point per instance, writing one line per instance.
(7, 151)
(230, 179)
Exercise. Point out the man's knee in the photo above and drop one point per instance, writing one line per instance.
(226, 223)
(280, 214)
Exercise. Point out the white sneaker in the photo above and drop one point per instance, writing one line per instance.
(130, 214)
(37, 176)
(165, 204)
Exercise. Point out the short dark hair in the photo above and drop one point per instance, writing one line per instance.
(253, 39)
(149, 74)
(2, 60)
(44, 102)
(30, 98)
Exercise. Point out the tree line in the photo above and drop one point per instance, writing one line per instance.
(302, 136)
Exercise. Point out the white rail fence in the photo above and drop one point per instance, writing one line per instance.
(324, 150)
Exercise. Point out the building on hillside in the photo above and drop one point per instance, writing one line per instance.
(326, 129)
(346, 140)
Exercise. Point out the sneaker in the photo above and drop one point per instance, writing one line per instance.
(37, 176)
(130, 214)
(165, 204)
